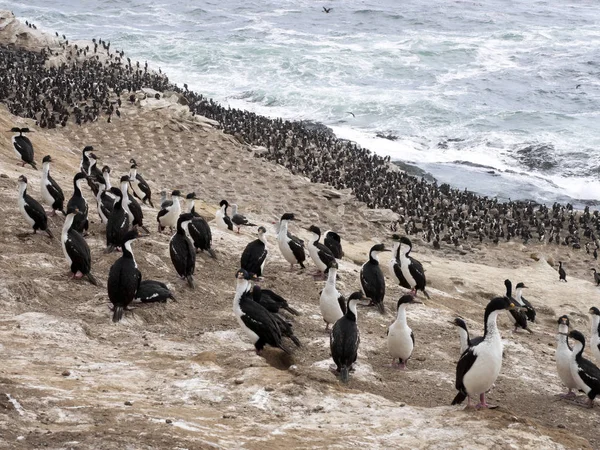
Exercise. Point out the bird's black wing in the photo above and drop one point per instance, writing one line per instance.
(374, 289)
(333, 242)
(261, 321)
(520, 318)
(590, 374)
(530, 311)
(200, 233)
(325, 254)
(36, 212)
(476, 341)
(239, 219)
(78, 251)
(464, 364)
(344, 342)
(417, 272)
(253, 256)
(296, 239)
(298, 250)
(55, 191)
(24, 147)
(398, 272)
(228, 222)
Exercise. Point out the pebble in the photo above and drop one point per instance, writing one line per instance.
(128, 403)
(238, 381)
(560, 425)
(168, 421)
(269, 389)
(421, 358)
(228, 416)
(3, 175)
(66, 373)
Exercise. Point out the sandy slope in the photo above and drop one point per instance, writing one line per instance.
(68, 371)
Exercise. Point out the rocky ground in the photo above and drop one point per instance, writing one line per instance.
(182, 375)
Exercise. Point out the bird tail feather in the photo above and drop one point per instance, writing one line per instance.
(92, 279)
(460, 397)
(344, 374)
(291, 310)
(190, 281)
(117, 314)
(381, 307)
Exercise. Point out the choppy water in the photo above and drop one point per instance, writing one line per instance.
(467, 87)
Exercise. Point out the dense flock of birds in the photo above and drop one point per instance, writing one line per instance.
(87, 89)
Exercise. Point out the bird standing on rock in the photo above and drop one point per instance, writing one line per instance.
(291, 247)
(198, 230)
(463, 335)
(79, 203)
(585, 373)
(52, 194)
(411, 268)
(138, 185)
(595, 333)
(345, 339)
(221, 218)
(31, 209)
(118, 223)
(563, 357)
(239, 220)
(562, 275)
(76, 250)
(331, 303)
(320, 253)
(23, 147)
(169, 212)
(372, 279)
(124, 278)
(255, 254)
(333, 241)
(182, 251)
(400, 337)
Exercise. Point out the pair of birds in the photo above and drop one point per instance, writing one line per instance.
(576, 372)
(407, 271)
(225, 222)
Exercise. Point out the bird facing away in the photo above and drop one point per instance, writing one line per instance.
(562, 275)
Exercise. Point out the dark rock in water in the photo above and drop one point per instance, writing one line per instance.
(414, 170)
(317, 127)
(442, 144)
(538, 156)
(389, 137)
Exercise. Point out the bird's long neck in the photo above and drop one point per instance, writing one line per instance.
(133, 174)
(332, 277)
(491, 327)
(352, 313)
(77, 188)
(315, 238)
(190, 206)
(561, 337)
(234, 209)
(128, 252)
(262, 238)
(68, 223)
(22, 189)
(463, 335)
(397, 251)
(374, 257)
(401, 315)
(91, 167)
(106, 176)
(595, 320)
(240, 290)
(578, 350)
(518, 293)
(176, 203)
(283, 227)
(46, 170)
(124, 187)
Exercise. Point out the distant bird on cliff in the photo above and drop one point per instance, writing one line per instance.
(52, 194)
(562, 275)
(585, 373)
(23, 146)
(255, 254)
(345, 339)
(76, 250)
(291, 247)
(31, 209)
(372, 279)
(124, 278)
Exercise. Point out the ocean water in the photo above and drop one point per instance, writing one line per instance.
(499, 96)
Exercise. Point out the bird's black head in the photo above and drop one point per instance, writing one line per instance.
(47, 158)
(379, 248)
(132, 161)
(116, 191)
(358, 295)
(133, 166)
(131, 235)
(79, 176)
(593, 270)
(106, 169)
(460, 323)
(241, 274)
(333, 265)
(594, 311)
(15, 130)
(406, 299)
(521, 285)
(314, 229)
(92, 156)
(406, 241)
(185, 217)
(262, 230)
(191, 196)
(499, 303)
(508, 285)
(25, 130)
(88, 148)
(72, 211)
(23, 179)
(577, 336)
(125, 179)
(224, 203)
(564, 320)
(176, 193)
(288, 216)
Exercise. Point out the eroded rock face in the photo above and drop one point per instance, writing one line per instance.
(13, 31)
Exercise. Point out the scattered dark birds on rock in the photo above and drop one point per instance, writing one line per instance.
(31, 209)
(124, 278)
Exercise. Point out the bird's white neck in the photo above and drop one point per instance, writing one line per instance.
(561, 338)
(262, 238)
(331, 277)
(22, 189)
(234, 210)
(352, 307)
(67, 224)
(595, 320)
(133, 173)
(518, 293)
(374, 255)
(106, 177)
(401, 315)
(46, 169)
(283, 227)
(395, 250)
(577, 348)
(128, 247)
(240, 289)
(124, 187)
(190, 205)
(492, 327)
(463, 336)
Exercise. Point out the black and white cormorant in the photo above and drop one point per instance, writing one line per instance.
(411, 268)
(320, 253)
(563, 358)
(239, 220)
(183, 253)
(79, 203)
(331, 303)
(479, 366)
(221, 218)
(585, 373)
(76, 250)
(198, 229)
(522, 301)
(31, 209)
(52, 194)
(595, 332)
(124, 278)
(94, 174)
(291, 247)
(118, 224)
(138, 185)
(169, 213)
(345, 339)
(562, 275)
(333, 241)
(272, 301)
(255, 254)
(400, 338)
(84, 165)
(372, 279)
(255, 320)
(23, 146)
(395, 269)
(105, 200)
(463, 335)
(518, 316)
(131, 205)
(151, 291)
